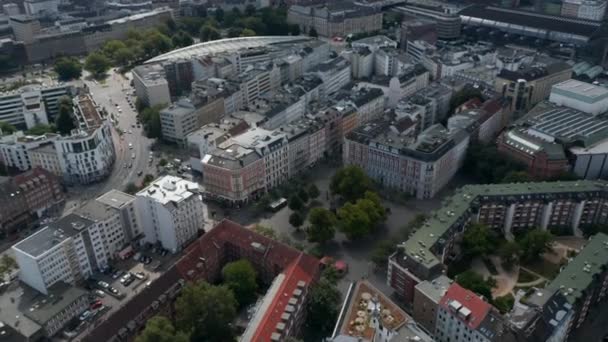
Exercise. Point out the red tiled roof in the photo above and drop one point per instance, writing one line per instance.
(479, 308)
(492, 106)
(305, 268)
(470, 104)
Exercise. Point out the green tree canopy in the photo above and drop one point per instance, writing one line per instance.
(265, 231)
(323, 307)
(351, 183)
(313, 191)
(111, 47)
(322, 225)
(509, 253)
(478, 240)
(381, 251)
(294, 29)
(295, 203)
(504, 304)
(246, 32)
(359, 219)
(97, 64)
(41, 129)
(206, 312)
(303, 195)
(155, 43)
(150, 117)
(234, 31)
(296, 220)
(181, 39)
(476, 283)
(160, 329)
(517, 177)
(7, 128)
(240, 277)
(65, 121)
(534, 243)
(313, 32)
(68, 68)
(131, 188)
(209, 33)
(125, 56)
(487, 165)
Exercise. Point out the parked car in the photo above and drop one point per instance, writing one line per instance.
(140, 275)
(85, 315)
(114, 291)
(96, 304)
(118, 274)
(99, 293)
(103, 284)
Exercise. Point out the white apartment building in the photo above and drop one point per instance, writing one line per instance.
(69, 250)
(171, 212)
(151, 86)
(178, 120)
(335, 73)
(254, 82)
(32, 105)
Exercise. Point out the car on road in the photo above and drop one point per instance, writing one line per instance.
(132, 155)
(140, 173)
(130, 131)
(130, 165)
(130, 146)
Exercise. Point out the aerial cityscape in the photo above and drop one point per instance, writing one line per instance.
(303, 170)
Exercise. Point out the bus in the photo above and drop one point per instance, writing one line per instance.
(278, 204)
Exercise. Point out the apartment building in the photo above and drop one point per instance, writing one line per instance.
(530, 85)
(41, 189)
(151, 86)
(427, 296)
(463, 315)
(178, 120)
(335, 19)
(256, 81)
(210, 89)
(395, 157)
(171, 212)
(335, 74)
(396, 88)
(562, 205)
(67, 250)
(29, 106)
(14, 212)
(15, 148)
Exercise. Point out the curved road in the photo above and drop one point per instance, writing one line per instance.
(114, 90)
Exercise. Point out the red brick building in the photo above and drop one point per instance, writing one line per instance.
(41, 189)
(288, 271)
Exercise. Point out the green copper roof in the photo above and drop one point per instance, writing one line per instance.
(578, 274)
(454, 207)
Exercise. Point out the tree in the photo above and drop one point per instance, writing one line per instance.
(476, 283)
(219, 15)
(246, 32)
(265, 231)
(97, 64)
(181, 39)
(111, 47)
(209, 33)
(41, 129)
(131, 188)
(7, 128)
(350, 182)
(517, 177)
(361, 218)
(381, 251)
(322, 225)
(234, 31)
(313, 191)
(294, 29)
(68, 68)
(303, 194)
(295, 203)
(504, 304)
(322, 308)
(7, 264)
(150, 117)
(534, 243)
(240, 277)
(206, 312)
(65, 121)
(155, 43)
(250, 10)
(296, 220)
(313, 32)
(124, 56)
(509, 253)
(477, 240)
(160, 329)
(163, 162)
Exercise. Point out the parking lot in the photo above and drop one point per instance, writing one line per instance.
(117, 285)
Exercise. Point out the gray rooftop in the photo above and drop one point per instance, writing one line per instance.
(115, 199)
(435, 289)
(43, 308)
(56, 232)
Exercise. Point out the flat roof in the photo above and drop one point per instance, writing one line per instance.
(581, 271)
(582, 91)
(169, 189)
(56, 232)
(90, 115)
(115, 199)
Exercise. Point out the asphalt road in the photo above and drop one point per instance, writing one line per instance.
(129, 161)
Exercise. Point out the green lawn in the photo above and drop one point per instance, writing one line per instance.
(543, 267)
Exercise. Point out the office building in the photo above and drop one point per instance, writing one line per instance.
(151, 86)
(396, 157)
(41, 7)
(178, 120)
(335, 74)
(24, 27)
(29, 106)
(67, 250)
(16, 149)
(171, 212)
(335, 19)
(529, 85)
(445, 16)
